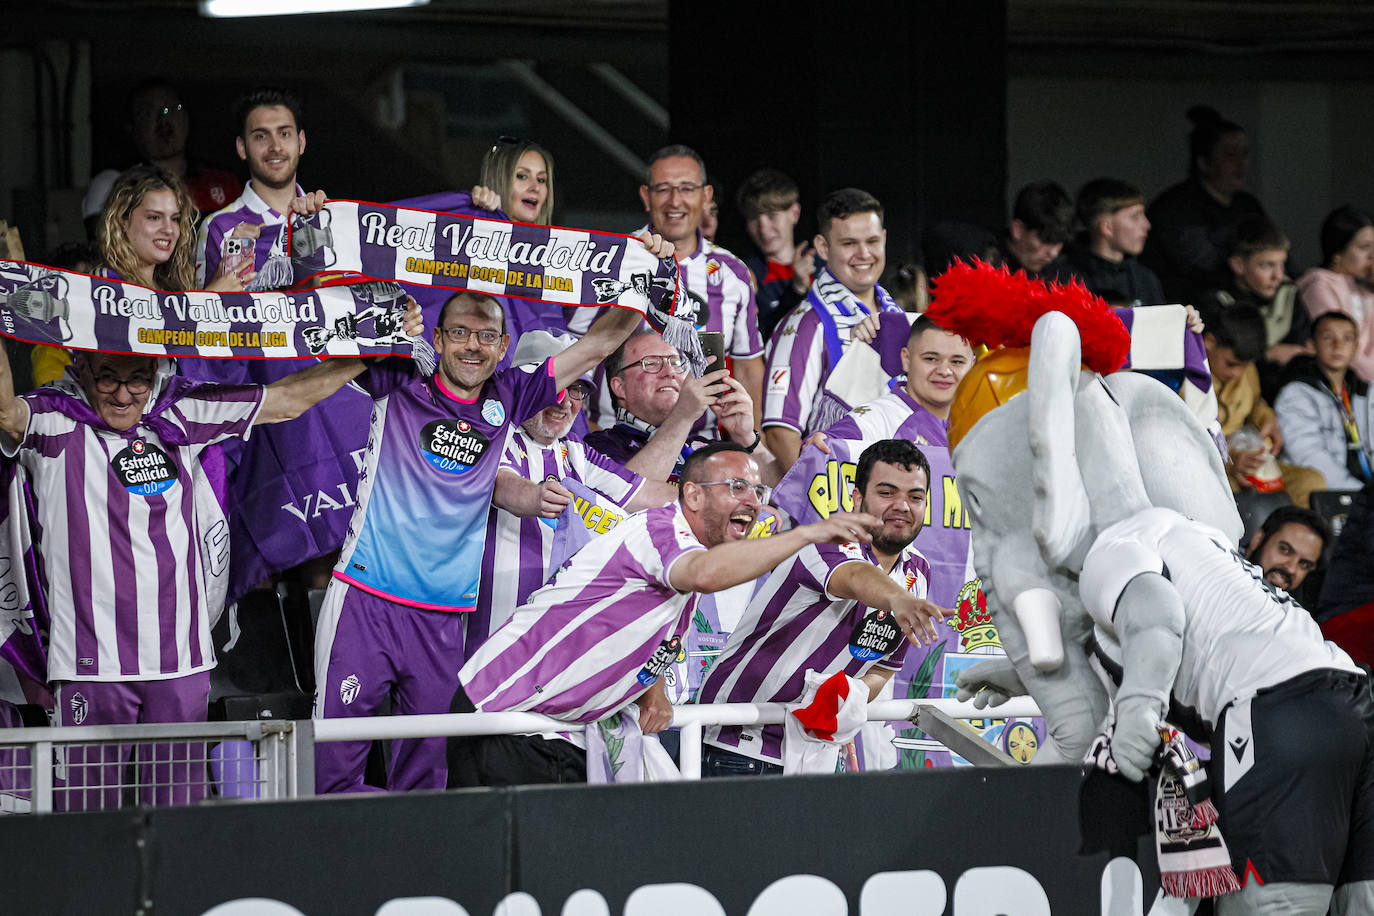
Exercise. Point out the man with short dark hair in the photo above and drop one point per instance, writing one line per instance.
(1289, 545)
(249, 235)
(770, 203)
(392, 622)
(843, 305)
(602, 633)
(830, 609)
(1112, 213)
(1039, 227)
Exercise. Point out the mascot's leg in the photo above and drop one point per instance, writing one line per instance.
(1279, 898)
(1353, 898)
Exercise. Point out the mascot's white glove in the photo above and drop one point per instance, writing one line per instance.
(1136, 736)
(989, 683)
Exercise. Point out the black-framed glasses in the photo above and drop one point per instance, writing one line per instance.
(109, 384)
(486, 337)
(653, 365)
(738, 487)
(663, 188)
(579, 391)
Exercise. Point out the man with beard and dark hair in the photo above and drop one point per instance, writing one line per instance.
(821, 610)
(1289, 545)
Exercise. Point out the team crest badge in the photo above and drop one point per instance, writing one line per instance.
(79, 708)
(713, 274)
(348, 689)
(493, 412)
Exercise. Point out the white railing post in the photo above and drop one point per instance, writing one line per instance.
(689, 750)
(41, 760)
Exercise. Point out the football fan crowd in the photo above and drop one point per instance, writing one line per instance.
(563, 518)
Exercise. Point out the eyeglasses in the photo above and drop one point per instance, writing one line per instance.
(739, 487)
(486, 337)
(579, 391)
(109, 384)
(663, 189)
(653, 365)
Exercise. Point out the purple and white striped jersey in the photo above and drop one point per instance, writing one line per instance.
(128, 527)
(515, 561)
(598, 635)
(270, 258)
(417, 534)
(792, 625)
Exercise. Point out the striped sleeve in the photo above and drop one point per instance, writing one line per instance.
(746, 341)
(208, 413)
(664, 539)
(602, 474)
(795, 368)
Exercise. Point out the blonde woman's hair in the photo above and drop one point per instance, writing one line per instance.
(116, 254)
(498, 170)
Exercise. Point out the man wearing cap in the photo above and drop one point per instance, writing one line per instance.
(563, 493)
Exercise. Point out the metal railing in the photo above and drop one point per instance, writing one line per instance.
(94, 768)
(106, 767)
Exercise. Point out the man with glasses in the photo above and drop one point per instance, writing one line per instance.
(392, 623)
(132, 539)
(851, 607)
(539, 466)
(604, 630)
(660, 405)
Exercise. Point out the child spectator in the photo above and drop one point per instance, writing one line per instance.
(1343, 282)
(770, 203)
(1257, 251)
(1323, 408)
(1114, 231)
(1234, 340)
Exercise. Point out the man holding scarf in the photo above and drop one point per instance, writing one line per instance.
(844, 305)
(131, 537)
(392, 623)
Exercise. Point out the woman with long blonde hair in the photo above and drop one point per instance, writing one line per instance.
(520, 175)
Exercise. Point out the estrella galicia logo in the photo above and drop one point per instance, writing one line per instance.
(875, 636)
(664, 655)
(452, 446)
(144, 468)
(493, 412)
(79, 708)
(701, 310)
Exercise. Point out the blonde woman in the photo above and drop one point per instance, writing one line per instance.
(517, 179)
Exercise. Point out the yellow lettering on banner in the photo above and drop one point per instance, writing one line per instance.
(536, 281)
(410, 265)
(608, 521)
(955, 514)
(275, 339)
(559, 284)
(590, 515)
(834, 490)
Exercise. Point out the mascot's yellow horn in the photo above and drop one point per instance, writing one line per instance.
(995, 378)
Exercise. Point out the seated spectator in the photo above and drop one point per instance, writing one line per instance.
(1345, 281)
(659, 405)
(1114, 231)
(159, 125)
(813, 612)
(1256, 253)
(844, 305)
(1234, 339)
(770, 203)
(541, 460)
(710, 217)
(630, 596)
(1345, 609)
(1289, 546)
(911, 288)
(1324, 407)
(1040, 224)
(1187, 249)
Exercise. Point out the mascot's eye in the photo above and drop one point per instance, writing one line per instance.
(973, 498)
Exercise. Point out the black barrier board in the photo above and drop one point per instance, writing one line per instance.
(75, 864)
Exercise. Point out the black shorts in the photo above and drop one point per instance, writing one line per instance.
(1302, 804)
(510, 760)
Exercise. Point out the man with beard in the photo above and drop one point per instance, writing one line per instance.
(601, 634)
(821, 611)
(539, 466)
(1289, 545)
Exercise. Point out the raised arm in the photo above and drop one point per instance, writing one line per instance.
(734, 562)
(609, 331)
(658, 457)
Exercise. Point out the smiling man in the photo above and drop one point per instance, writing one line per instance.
(853, 608)
(1289, 546)
(601, 634)
(811, 340)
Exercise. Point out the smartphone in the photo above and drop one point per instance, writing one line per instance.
(713, 344)
(238, 251)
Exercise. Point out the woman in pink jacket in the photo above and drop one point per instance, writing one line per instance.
(1345, 281)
